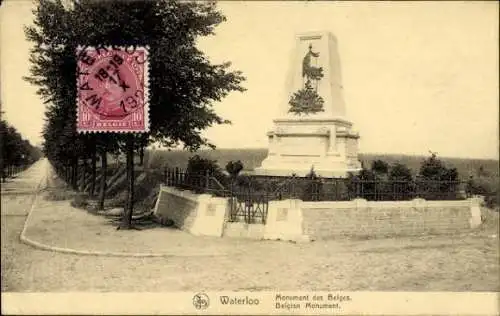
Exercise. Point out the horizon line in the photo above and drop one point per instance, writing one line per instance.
(361, 152)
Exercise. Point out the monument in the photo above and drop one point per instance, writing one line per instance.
(312, 131)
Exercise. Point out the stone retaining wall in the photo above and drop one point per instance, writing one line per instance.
(360, 218)
(203, 214)
(198, 214)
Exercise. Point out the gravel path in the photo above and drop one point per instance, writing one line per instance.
(467, 262)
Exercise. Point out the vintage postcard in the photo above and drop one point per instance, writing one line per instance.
(249, 157)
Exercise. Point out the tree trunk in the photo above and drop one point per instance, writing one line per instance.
(67, 174)
(129, 206)
(93, 171)
(85, 166)
(68, 177)
(141, 156)
(74, 176)
(2, 170)
(3, 173)
(104, 167)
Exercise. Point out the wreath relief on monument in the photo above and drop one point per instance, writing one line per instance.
(307, 99)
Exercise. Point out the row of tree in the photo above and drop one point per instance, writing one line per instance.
(431, 169)
(183, 83)
(15, 150)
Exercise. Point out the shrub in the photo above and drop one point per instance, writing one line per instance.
(380, 167)
(434, 169)
(400, 172)
(243, 181)
(234, 168)
(198, 168)
(362, 185)
(436, 181)
(401, 185)
(487, 187)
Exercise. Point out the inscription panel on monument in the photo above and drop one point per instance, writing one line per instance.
(302, 146)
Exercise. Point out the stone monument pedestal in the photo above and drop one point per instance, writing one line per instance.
(326, 145)
(312, 131)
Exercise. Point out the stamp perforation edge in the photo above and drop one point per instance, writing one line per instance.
(146, 64)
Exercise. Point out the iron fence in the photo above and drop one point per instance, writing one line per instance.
(319, 189)
(373, 190)
(250, 195)
(196, 182)
(249, 207)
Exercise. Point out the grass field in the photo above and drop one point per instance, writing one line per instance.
(252, 158)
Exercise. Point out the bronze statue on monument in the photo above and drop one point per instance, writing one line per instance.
(307, 100)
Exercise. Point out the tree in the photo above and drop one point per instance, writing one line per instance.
(63, 146)
(183, 83)
(15, 151)
(105, 143)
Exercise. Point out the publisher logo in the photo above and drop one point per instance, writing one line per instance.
(201, 301)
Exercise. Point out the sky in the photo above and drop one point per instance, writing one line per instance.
(417, 76)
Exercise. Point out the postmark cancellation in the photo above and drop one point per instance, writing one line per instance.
(112, 89)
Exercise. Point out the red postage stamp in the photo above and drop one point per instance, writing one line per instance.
(112, 89)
